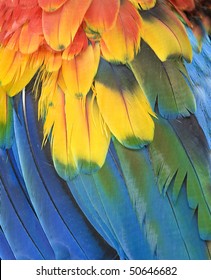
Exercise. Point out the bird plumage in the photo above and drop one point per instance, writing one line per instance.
(105, 130)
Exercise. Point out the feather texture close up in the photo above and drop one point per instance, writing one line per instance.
(105, 129)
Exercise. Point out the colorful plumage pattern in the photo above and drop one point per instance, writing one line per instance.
(105, 129)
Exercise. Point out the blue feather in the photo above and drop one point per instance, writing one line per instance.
(18, 220)
(89, 201)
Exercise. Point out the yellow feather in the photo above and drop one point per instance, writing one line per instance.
(89, 138)
(53, 109)
(19, 70)
(124, 106)
(7, 57)
(79, 72)
(121, 43)
(165, 34)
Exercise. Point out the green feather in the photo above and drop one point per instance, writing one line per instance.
(166, 84)
(179, 154)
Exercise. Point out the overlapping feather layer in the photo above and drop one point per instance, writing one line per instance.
(112, 70)
(83, 61)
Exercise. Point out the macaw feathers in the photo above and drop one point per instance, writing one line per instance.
(169, 222)
(105, 129)
(68, 121)
(12, 218)
(55, 231)
(17, 69)
(94, 73)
